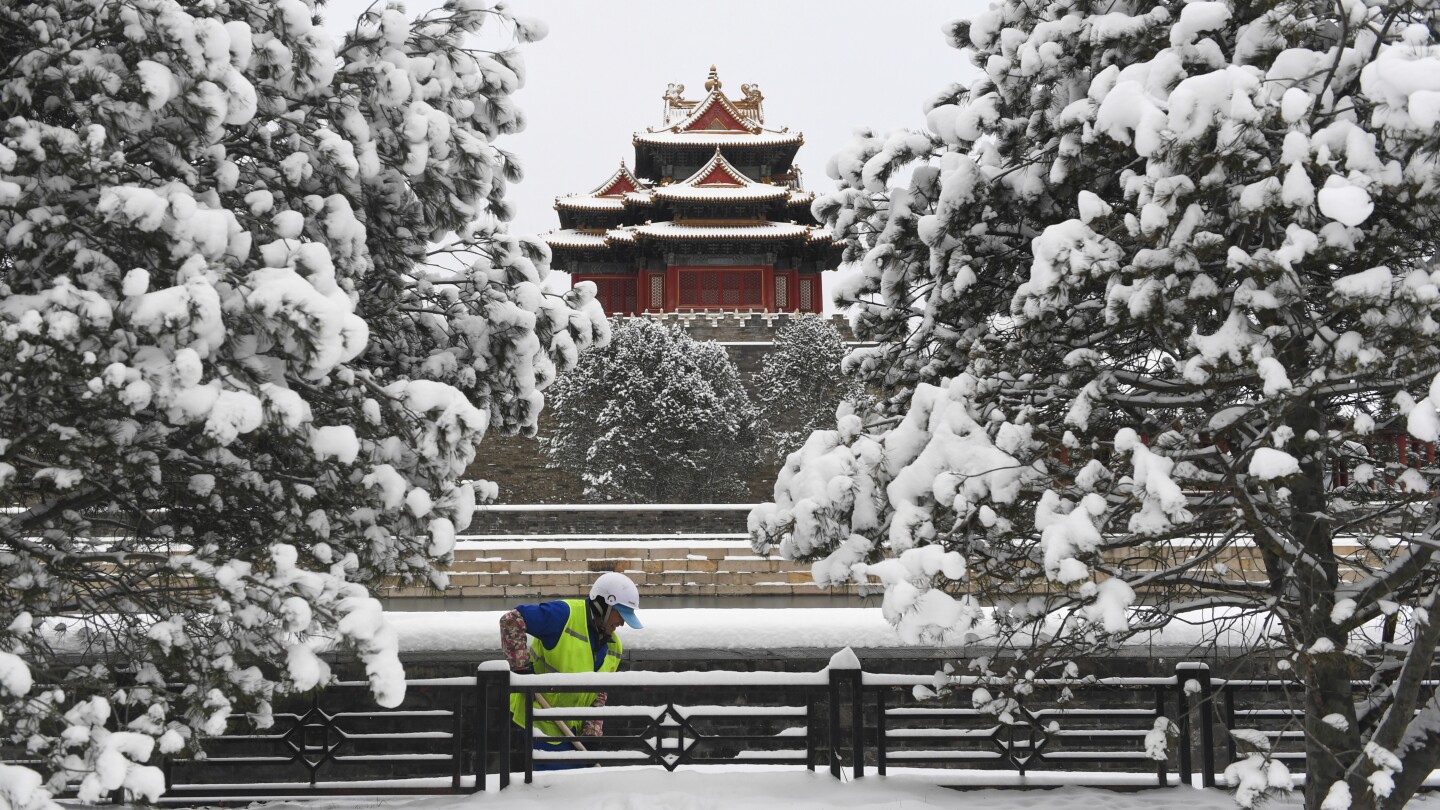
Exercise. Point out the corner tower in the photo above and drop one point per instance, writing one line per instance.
(714, 216)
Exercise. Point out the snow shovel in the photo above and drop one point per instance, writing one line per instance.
(564, 727)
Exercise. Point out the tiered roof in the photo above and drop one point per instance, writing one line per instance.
(719, 181)
(734, 206)
(610, 195)
(695, 230)
(716, 120)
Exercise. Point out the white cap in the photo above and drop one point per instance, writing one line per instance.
(618, 591)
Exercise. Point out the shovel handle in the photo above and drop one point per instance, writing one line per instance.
(564, 727)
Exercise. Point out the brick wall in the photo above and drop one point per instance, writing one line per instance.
(584, 520)
(518, 466)
(522, 571)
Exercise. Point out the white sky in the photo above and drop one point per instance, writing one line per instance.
(826, 67)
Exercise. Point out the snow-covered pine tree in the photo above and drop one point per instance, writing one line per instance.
(238, 384)
(1157, 285)
(654, 416)
(800, 383)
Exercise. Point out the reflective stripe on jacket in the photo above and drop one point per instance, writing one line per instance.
(572, 653)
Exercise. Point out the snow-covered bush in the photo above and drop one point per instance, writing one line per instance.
(800, 383)
(236, 388)
(1158, 285)
(654, 417)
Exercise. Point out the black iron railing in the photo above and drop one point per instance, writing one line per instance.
(671, 719)
(1108, 731)
(332, 745)
(451, 734)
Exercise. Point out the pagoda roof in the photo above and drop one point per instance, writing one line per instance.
(585, 202)
(588, 239)
(764, 138)
(698, 231)
(686, 231)
(571, 238)
(618, 184)
(715, 119)
(715, 113)
(719, 181)
(609, 195)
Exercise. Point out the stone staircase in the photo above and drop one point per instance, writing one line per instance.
(697, 555)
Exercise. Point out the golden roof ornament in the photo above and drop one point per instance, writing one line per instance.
(712, 82)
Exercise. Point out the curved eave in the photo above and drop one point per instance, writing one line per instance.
(590, 203)
(738, 195)
(710, 140)
(574, 246)
(574, 240)
(775, 232)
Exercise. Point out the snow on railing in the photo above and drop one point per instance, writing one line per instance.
(453, 733)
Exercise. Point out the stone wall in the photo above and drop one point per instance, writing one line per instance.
(516, 464)
(588, 520)
(512, 572)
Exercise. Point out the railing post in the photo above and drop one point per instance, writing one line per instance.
(857, 719)
(457, 742)
(1162, 768)
(881, 729)
(810, 729)
(1205, 704)
(836, 678)
(493, 721)
(844, 669)
(482, 727)
(504, 740)
(1182, 717)
(529, 736)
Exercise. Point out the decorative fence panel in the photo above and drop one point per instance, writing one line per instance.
(451, 734)
(329, 745)
(1041, 731)
(672, 719)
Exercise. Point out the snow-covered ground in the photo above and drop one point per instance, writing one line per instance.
(763, 628)
(730, 789)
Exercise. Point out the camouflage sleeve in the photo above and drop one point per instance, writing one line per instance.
(594, 728)
(512, 640)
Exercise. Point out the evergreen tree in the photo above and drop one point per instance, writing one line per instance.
(654, 417)
(801, 383)
(1155, 286)
(237, 387)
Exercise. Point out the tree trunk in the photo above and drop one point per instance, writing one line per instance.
(1329, 747)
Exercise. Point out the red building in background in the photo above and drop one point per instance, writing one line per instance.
(714, 216)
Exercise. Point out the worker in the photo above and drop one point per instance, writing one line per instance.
(569, 635)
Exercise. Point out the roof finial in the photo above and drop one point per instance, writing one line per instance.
(712, 83)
